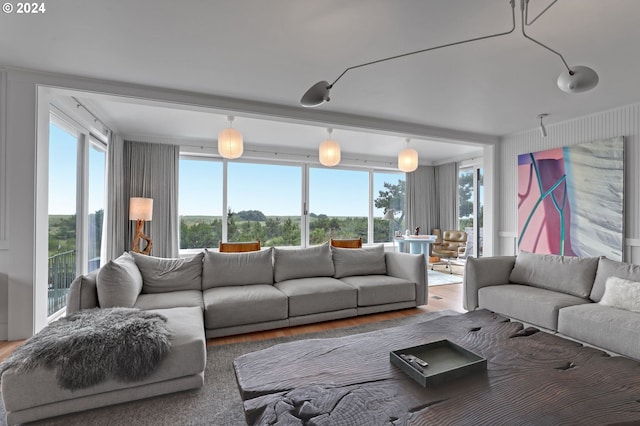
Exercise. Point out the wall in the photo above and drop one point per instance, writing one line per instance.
(623, 121)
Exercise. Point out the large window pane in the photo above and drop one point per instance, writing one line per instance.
(200, 203)
(338, 204)
(264, 203)
(97, 156)
(63, 152)
(388, 205)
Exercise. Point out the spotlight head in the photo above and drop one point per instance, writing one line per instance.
(316, 95)
(579, 79)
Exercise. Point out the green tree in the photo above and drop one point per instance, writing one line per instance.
(465, 194)
(392, 198)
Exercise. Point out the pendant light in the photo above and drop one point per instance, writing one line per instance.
(329, 151)
(408, 159)
(230, 142)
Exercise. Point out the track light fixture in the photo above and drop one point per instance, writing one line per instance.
(573, 80)
(543, 130)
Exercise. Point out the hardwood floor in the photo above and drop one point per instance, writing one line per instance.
(441, 298)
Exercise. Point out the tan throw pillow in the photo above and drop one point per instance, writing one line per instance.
(119, 283)
(622, 294)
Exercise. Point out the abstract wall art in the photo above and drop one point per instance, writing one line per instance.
(571, 200)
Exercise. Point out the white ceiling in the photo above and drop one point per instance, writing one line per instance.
(270, 52)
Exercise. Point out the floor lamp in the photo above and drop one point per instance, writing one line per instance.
(141, 210)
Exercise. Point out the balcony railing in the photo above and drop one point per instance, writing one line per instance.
(62, 271)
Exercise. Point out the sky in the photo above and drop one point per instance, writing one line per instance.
(62, 174)
(276, 190)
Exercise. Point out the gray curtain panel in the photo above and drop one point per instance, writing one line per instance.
(115, 215)
(447, 184)
(151, 171)
(422, 200)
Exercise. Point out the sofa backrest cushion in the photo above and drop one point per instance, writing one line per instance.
(289, 264)
(227, 269)
(163, 275)
(611, 268)
(119, 283)
(349, 262)
(566, 274)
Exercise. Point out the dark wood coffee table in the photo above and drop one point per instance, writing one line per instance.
(532, 378)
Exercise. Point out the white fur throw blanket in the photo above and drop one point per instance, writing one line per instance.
(92, 345)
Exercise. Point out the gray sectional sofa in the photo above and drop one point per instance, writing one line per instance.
(216, 294)
(593, 300)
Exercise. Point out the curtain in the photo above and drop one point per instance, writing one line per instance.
(151, 171)
(422, 200)
(446, 177)
(115, 214)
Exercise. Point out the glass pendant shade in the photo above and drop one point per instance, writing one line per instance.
(329, 152)
(230, 143)
(408, 160)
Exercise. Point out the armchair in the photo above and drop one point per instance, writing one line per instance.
(451, 244)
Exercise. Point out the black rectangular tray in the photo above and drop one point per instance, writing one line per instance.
(447, 361)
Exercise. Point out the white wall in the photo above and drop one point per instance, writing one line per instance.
(623, 121)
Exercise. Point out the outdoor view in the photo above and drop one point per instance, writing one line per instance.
(265, 203)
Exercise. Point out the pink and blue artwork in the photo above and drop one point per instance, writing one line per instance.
(571, 200)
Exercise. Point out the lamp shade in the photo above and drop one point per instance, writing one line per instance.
(230, 144)
(408, 160)
(580, 80)
(140, 208)
(329, 152)
(388, 215)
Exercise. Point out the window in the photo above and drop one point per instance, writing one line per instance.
(338, 204)
(471, 206)
(63, 154)
(285, 204)
(76, 206)
(95, 220)
(264, 203)
(200, 202)
(389, 206)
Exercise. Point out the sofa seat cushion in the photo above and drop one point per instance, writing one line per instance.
(173, 299)
(320, 294)
(239, 305)
(533, 305)
(610, 328)
(187, 357)
(381, 289)
(566, 274)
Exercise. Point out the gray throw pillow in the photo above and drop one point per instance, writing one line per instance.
(226, 269)
(309, 262)
(119, 283)
(566, 274)
(360, 261)
(162, 275)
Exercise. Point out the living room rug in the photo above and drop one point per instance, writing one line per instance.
(438, 278)
(218, 401)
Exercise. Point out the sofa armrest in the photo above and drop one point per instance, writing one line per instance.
(483, 272)
(83, 293)
(411, 267)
